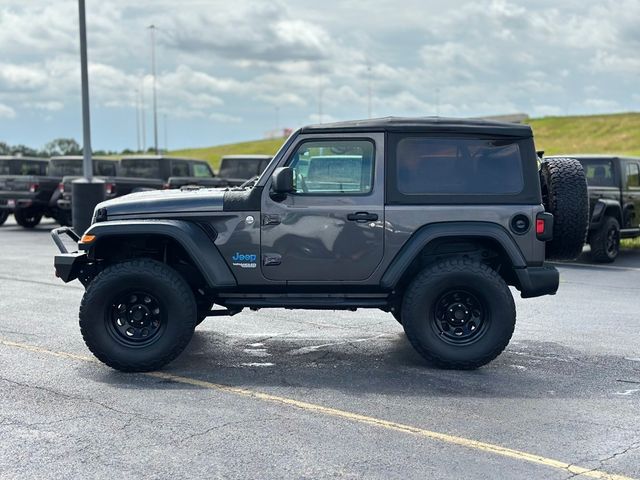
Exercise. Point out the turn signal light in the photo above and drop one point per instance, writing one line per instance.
(86, 238)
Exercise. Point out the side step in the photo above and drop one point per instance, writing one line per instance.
(306, 302)
(629, 232)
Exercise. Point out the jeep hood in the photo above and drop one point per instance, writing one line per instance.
(165, 202)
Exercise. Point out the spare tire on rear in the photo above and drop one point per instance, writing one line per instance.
(564, 194)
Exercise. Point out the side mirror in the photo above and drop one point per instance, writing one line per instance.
(282, 181)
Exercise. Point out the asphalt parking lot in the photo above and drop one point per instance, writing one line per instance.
(291, 394)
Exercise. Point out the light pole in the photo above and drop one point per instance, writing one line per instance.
(143, 117)
(86, 192)
(137, 92)
(152, 29)
(369, 89)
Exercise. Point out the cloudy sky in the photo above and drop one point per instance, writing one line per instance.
(234, 70)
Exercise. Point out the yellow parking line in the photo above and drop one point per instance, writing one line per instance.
(354, 417)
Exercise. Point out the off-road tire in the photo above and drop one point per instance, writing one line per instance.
(161, 281)
(419, 313)
(27, 217)
(4, 214)
(564, 194)
(600, 251)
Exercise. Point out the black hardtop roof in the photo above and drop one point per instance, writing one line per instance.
(424, 125)
(250, 156)
(160, 157)
(79, 158)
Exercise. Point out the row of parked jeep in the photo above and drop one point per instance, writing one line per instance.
(614, 202)
(32, 188)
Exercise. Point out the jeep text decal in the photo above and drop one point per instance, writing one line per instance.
(244, 260)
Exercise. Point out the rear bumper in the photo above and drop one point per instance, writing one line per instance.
(538, 281)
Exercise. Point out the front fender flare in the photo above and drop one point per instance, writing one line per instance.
(195, 241)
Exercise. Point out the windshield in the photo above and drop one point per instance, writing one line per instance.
(140, 167)
(599, 172)
(22, 167)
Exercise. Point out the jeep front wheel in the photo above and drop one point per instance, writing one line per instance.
(458, 314)
(138, 315)
(605, 242)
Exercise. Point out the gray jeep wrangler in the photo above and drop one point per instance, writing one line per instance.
(429, 219)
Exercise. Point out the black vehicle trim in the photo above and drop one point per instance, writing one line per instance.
(423, 236)
(188, 234)
(600, 209)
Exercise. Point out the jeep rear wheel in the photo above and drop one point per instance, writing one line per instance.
(458, 314)
(138, 315)
(605, 242)
(564, 194)
(27, 217)
(4, 214)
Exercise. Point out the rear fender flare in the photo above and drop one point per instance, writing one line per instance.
(425, 235)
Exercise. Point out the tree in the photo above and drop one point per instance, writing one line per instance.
(63, 146)
(4, 149)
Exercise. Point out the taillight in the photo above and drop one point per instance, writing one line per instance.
(166, 186)
(110, 189)
(539, 226)
(61, 187)
(33, 187)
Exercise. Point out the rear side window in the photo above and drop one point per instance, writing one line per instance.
(66, 167)
(599, 172)
(105, 169)
(458, 166)
(140, 168)
(179, 168)
(240, 168)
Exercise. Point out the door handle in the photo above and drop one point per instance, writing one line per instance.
(362, 217)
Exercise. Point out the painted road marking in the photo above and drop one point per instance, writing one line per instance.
(354, 417)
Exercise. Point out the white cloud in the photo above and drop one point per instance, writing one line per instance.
(6, 111)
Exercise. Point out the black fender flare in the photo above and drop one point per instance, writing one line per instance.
(599, 209)
(425, 235)
(195, 241)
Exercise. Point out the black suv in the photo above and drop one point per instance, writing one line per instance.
(429, 219)
(614, 202)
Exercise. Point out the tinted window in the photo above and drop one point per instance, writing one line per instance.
(179, 168)
(22, 167)
(141, 167)
(427, 166)
(201, 170)
(240, 168)
(599, 172)
(105, 168)
(633, 172)
(62, 168)
(333, 167)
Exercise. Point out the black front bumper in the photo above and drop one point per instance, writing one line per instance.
(68, 265)
(538, 281)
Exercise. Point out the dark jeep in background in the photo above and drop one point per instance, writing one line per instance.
(33, 191)
(136, 173)
(614, 202)
(429, 219)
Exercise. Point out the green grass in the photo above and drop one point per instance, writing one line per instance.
(633, 243)
(214, 154)
(614, 133)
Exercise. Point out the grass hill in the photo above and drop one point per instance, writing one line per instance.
(614, 133)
